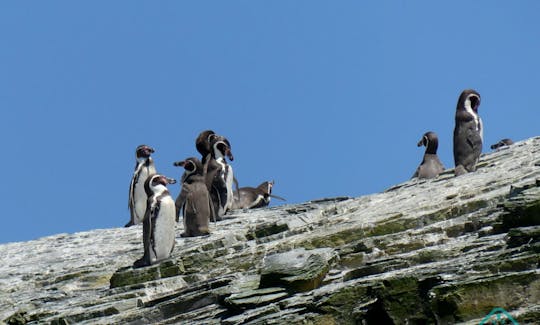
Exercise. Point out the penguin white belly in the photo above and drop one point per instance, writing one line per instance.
(164, 233)
(229, 184)
(140, 202)
(139, 194)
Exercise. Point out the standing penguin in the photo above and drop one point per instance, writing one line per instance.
(255, 197)
(468, 132)
(194, 199)
(431, 166)
(137, 195)
(158, 223)
(219, 176)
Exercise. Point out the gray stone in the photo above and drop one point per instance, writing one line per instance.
(296, 270)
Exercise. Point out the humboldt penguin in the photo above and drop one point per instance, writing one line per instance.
(159, 221)
(144, 166)
(194, 200)
(219, 176)
(431, 166)
(502, 143)
(255, 197)
(468, 132)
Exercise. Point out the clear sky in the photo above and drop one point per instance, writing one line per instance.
(327, 98)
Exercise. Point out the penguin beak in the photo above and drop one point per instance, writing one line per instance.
(420, 143)
(179, 163)
(149, 150)
(171, 180)
(277, 197)
(164, 180)
(229, 154)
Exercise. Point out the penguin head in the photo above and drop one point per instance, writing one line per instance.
(143, 151)
(430, 141)
(469, 100)
(192, 165)
(221, 147)
(156, 184)
(266, 188)
(203, 142)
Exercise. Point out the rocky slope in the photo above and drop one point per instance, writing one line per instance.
(443, 251)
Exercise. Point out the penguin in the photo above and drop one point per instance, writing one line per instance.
(194, 200)
(137, 196)
(159, 221)
(430, 166)
(255, 197)
(468, 132)
(219, 176)
(502, 143)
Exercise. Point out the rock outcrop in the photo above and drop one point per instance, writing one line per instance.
(447, 250)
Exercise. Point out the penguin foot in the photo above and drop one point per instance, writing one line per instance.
(129, 224)
(460, 170)
(141, 262)
(198, 234)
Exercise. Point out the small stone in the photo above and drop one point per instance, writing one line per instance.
(297, 270)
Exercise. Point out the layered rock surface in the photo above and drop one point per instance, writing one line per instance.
(446, 251)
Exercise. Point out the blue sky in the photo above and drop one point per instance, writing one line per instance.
(327, 98)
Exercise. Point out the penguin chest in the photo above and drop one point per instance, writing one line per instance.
(225, 178)
(229, 177)
(431, 167)
(139, 194)
(163, 232)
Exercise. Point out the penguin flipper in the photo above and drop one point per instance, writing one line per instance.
(474, 140)
(415, 175)
(180, 202)
(236, 185)
(131, 200)
(153, 214)
(147, 240)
